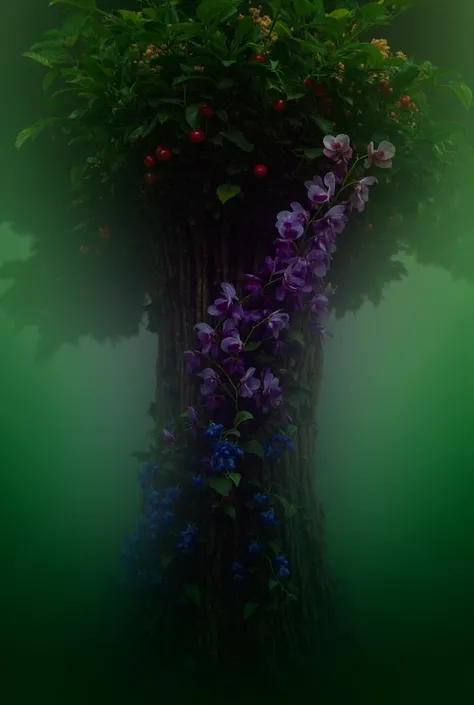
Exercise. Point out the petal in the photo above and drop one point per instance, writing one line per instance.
(388, 149)
(328, 142)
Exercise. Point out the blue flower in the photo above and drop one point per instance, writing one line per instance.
(255, 547)
(238, 572)
(197, 480)
(281, 567)
(260, 498)
(186, 544)
(269, 517)
(277, 445)
(213, 430)
(147, 473)
(224, 456)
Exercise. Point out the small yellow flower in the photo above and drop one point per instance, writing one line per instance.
(401, 55)
(199, 68)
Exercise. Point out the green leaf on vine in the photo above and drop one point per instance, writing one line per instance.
(313, 153)
(193, 115)
(88, 5)
(221, 485)
(272, 583)
(239, 139)
(193, 593)
(289, 509)
(254, 448)
(339, 14)
(249, 347)
(231, 432)
(242, 416)
(229, 509)
(296, 336)
(249, 609)
(462, 92)
(235, 477)
(227, 191)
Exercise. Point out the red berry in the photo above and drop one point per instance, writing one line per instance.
(259, 58)
(307, 82)
(163, 154)
(197, 136)
(383, 85)
(151, 178)
(104, 233)
(389, 91)
(149, 161)
(207, 111)
(319, 90)
(260, 171)
(279, 106)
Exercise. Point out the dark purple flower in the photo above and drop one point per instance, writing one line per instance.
(211, 381)
(252, 317)
(232, 345)
(318, 260)
(193, 417)
(223, 304)
(295, 276)
(360, 195)
(252, 284)
(248, 384)
(193, 361)
(278, 321)
(321, 191)
(168, 438)
(337, 148)
(233, 366)
(319, 305)
(333, 222)
(213, 401)
(206, 337)
(284, 250)
(270, 267)
(271, 392)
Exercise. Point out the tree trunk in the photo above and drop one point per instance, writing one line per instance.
(190, 258)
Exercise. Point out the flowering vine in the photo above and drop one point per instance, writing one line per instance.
(225, 452)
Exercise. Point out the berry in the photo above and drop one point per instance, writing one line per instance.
(405, 102)
(197, 136)
(389, 91)
(279, 106)
(319, 90)
(259, 58)
(149, 161)
(104, 233)
(151, 178)
(307, 82)
(260, 171)
(207, 111)
(163, 154)
(383, 85)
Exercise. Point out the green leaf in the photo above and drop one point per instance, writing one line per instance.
(373, 12)
(211, 10)
(227, 191)
(193, 593)
(231, 432)
(339, 14)
(42, 59)
(33, 131)
(307, 8)
(49, 78)
(242, 416)
(249, 609)
(235, 477)
(254, 448)
(221, 485)
(87, 5)
(296, 336)
(462, 92)
(404, 79)
(324, 125)
(272, 584)
(289, 509)
(239, 139)
(313, 153)
(229, 509)
(249, 347)
(193, 115)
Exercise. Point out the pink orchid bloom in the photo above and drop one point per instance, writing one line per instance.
(381, 157)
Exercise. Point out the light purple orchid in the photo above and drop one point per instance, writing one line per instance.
(271, 396)
(222, 305)
(211, 381)
(337, 148)
(333, 222)
(193, 361)
(318, 262)
(295, 276)
(231, 326)
(205, 335)
(321, 190)
(168, 438)
(381, 157)
(252, 284)
(360, 195)
(249, 385)
(319, 306)
(232, 345)
(292, 224)
(278, 321)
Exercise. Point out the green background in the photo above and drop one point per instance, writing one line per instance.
(396, 460)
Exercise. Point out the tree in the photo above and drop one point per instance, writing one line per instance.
(191, 128)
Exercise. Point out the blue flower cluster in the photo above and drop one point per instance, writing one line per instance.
(238, 572)
(224, 456)
(260, 498)
(214, 430)
(281, 567)
(188, 535)
(255, 547)
(269, 518)
(277, 445)
(147, 473)
(197, 480)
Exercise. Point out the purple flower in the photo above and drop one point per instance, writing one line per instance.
(234, 366)
(206, 337)
(232, 344)
(278, 321)
(318, 260)
(381, 157)
(211, 381)
(360, 195)
(252, 284)
(284, 250)
(320, 191)
(248, 384)
(197, 481)
(270, 267)
(319, 305)
(252, 317)
(291, 224)
(271, 392)
(193, 417)
(223, 304)
(337, 148)
(168, 438)
(333, 223)
(295, 275)
(193, 361)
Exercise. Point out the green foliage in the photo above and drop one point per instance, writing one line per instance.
(249, 609)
